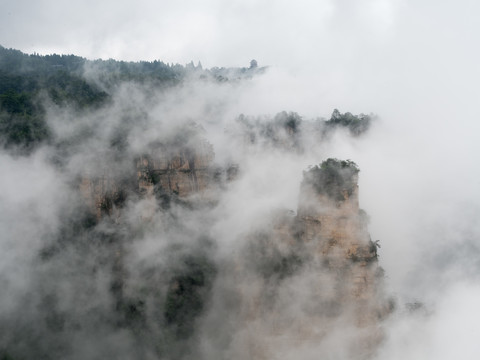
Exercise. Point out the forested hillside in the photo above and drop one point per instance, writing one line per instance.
(29, 82)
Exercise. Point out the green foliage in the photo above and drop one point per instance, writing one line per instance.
(21, 120)
(236, 74)
(22, 129)
(280, 265)
(273, 262)
(135, 314)
(24, 79)
(290, 121)
(366, 253)
(357, 124)
(372, 249)
(113, 199)
(334, 178)
(17, 83)
(113, 72)
(280, 131)
(187, 294)
(67, 89)
(4, 355)
(16, 103)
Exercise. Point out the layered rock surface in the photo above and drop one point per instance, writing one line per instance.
(184, 172)
(181, 172)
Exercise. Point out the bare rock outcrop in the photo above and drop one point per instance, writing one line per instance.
(171, 171)
(183, 172)
(319, 273)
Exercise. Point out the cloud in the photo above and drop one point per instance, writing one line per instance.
(412, 63)
(31, 199)
(444, 333)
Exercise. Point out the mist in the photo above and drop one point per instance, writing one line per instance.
(413, 65)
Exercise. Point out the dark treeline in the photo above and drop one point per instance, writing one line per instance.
(288, 130)
(28, 82)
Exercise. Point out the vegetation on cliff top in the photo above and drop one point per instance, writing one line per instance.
(356, 124)
(333, 178)
(288, 130)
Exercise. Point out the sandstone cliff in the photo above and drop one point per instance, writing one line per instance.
(183, 172)
(319, 273)
(164, 171)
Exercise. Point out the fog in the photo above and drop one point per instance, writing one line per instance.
(414, 64)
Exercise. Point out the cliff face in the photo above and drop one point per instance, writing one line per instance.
(181, 172)
(339, 238)
(319, 273)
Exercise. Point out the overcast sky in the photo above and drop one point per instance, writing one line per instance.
(221, 33)
(416, 63)
(355, 54)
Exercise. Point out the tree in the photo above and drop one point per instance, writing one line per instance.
(333, 178)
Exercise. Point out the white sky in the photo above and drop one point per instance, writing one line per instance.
(221, 33)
